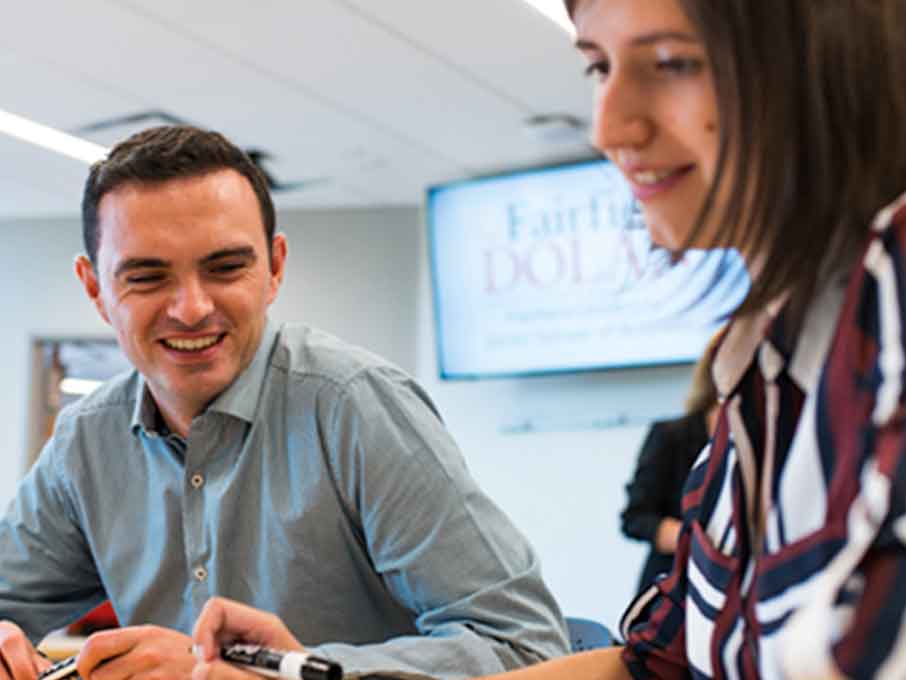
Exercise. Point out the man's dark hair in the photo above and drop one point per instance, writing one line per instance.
(162, 154)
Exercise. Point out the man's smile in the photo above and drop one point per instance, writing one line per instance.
(193, 344)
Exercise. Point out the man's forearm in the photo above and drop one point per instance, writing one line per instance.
(598, 664)
(459, 653)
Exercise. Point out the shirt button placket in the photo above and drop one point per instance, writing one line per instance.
(200, 449)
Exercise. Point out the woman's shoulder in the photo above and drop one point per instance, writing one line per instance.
(892, 218)
(684, 426)
(884, 258)
(869, 345)
(887, 242)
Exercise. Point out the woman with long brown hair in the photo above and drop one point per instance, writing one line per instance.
(778, 128)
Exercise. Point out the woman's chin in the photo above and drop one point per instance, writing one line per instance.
(673, 235)
(664, 236)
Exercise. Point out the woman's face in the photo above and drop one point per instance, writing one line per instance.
(655, 107)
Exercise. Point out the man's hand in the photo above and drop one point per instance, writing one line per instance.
(137, 652)
(18, 658)
(224, 621)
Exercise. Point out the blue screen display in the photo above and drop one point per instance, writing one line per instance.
(552, 270)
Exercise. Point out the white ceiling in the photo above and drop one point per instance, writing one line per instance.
(379, 98)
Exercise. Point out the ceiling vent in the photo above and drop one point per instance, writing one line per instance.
(556, 128)
(126, 125)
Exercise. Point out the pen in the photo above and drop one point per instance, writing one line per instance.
(61, 670)
(275, 663)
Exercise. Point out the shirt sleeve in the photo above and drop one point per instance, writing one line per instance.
(441, 547)
(654, 623)
(47, 575)
(855, 618)
(649, 490)
(875, 637)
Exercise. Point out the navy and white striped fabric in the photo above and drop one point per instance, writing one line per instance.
(792, 558)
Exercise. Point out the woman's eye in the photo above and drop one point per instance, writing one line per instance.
(680, 66)
(598, 68)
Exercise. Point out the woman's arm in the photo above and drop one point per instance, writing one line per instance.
(598, 664)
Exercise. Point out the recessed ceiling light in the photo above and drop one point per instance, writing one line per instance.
(50, 138)
(556, 12)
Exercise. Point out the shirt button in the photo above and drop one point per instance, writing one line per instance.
(200, 573)
(197, 480)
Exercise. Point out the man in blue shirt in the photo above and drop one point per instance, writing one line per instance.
(269, 464)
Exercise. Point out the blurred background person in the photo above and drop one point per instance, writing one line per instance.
(655, 493)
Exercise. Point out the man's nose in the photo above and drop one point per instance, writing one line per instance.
(191, 303)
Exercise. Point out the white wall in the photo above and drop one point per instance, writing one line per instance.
(363, 275)
(40, 297)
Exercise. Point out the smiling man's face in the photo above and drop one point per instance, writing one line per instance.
(183, 277)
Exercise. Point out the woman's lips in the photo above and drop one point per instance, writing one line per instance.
(647, 184)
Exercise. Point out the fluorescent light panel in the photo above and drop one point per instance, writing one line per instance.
(556, 12)
(79, 385)
(50, 138)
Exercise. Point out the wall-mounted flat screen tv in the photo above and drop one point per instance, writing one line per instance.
(552, 270)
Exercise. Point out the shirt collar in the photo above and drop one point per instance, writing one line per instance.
(240, 399)
(768, 333)
(144, 415)
(737, 350)
(817, 333)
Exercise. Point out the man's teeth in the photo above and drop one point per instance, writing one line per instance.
(192, 345)
(651, 176)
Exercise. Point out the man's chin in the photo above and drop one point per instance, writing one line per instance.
(193, 394)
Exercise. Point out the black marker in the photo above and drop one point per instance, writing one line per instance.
(61, 670)
(273, 663)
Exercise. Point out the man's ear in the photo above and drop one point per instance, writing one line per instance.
(87, 275)
(278, 262)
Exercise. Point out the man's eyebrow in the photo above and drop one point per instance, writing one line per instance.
(644, 39)
(244, 252)
(140, 263)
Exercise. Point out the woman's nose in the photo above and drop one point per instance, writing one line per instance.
(622, 119)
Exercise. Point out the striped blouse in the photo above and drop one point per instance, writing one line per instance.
(792, 558)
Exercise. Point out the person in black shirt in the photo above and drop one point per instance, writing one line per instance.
(652, 512)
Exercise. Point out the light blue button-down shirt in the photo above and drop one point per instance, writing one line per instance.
(321, 485)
